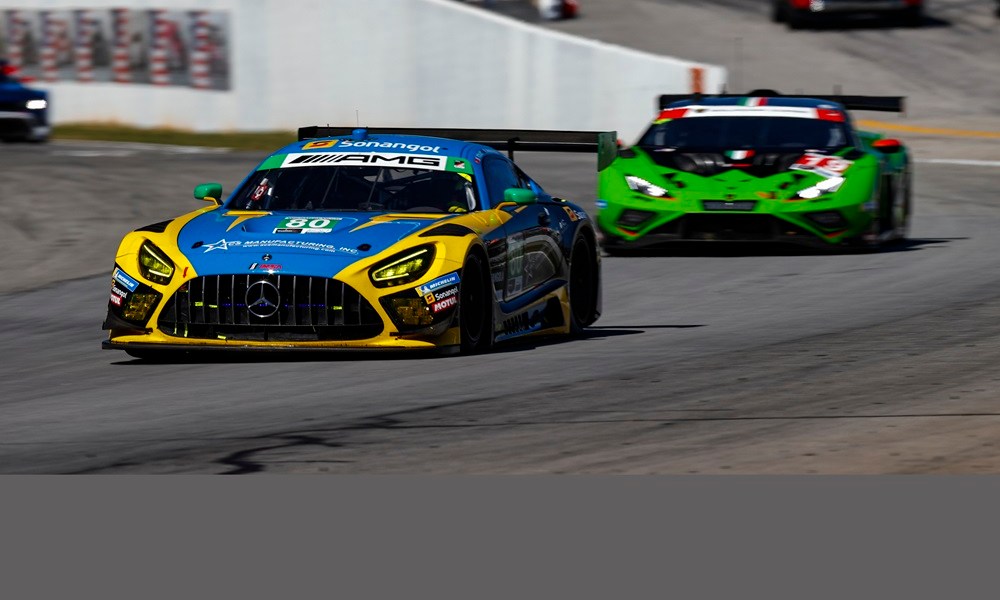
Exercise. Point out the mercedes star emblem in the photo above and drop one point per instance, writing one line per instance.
(263, 298)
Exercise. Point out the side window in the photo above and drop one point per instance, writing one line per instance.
(500, 175)
(527, 182)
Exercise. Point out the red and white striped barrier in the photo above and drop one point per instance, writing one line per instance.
(84, 56)
(50, 71)
(158, 70)
(200, 73)
(121, 70)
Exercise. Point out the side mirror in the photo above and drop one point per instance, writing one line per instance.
(887, 145)
(209, 192)
(520, 196)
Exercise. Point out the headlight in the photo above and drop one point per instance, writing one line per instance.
(36, 104)
(827, 186)
(404, 267)
(638, 184)
(154, 264)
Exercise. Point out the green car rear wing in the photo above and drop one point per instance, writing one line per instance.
(604, 143)
(875, 103)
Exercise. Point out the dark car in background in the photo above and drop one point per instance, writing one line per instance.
(23, 110)
(798, 14)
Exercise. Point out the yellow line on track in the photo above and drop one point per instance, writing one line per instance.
(929, 130)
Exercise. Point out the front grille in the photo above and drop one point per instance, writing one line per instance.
(729, 227)
(269, 308)
(728, 204)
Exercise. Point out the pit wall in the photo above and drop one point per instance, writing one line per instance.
(433, 63)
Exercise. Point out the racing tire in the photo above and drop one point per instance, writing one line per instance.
(778, 11)
(475, 311)
(797, 19)
(913, 17)
(582, 286)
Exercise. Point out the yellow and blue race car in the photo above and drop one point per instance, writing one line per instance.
(366, 239)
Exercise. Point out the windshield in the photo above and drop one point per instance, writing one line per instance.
(745, 133)
(356, 188)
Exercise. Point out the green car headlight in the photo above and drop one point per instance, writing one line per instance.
(827, 186)
(638, 184)
(403, 267)
(154, 264)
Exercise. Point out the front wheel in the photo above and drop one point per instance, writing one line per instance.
(475, 311)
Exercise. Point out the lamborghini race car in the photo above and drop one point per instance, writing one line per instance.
(366, 239)
(764, 167)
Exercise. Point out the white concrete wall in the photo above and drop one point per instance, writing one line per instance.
(390, 63)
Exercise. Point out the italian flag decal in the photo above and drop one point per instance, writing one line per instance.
(754, 101)
(739, 154)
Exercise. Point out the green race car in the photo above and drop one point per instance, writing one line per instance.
(757, 167)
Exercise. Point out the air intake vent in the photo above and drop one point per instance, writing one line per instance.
(269, 308)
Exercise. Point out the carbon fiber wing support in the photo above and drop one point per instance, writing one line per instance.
(603, 143)
(875, 103)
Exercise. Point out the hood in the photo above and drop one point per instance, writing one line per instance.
(224, 242)
(706, 164)
(728, 173)
(13, 91)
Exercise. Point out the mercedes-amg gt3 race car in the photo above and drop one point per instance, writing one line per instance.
(366, 239)
(758, 167)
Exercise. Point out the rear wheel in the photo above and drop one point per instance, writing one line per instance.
(475, 310)
(582, 286)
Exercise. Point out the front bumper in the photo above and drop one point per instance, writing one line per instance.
(22, 126)
(638, 222)
(268, 312)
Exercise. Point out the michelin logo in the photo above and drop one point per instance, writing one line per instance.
(129, 283)
(440, 282)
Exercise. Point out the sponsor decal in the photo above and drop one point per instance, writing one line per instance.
(438, 296)
(129, 283)
(764, 110)
(116, 300)
(219, 245)
(295, 244)
(389, 146)
(571, 213)
(821, 164)
(320, 144)
(271, 267)
(262, 188)
(117, 292)
(601, 204)
(305, 225)
(415, 161)
(446, 303)
(440, 282)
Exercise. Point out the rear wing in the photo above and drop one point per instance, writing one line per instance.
(603, 143)
(876, 103)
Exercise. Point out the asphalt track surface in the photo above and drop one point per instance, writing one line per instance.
(708, 360)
